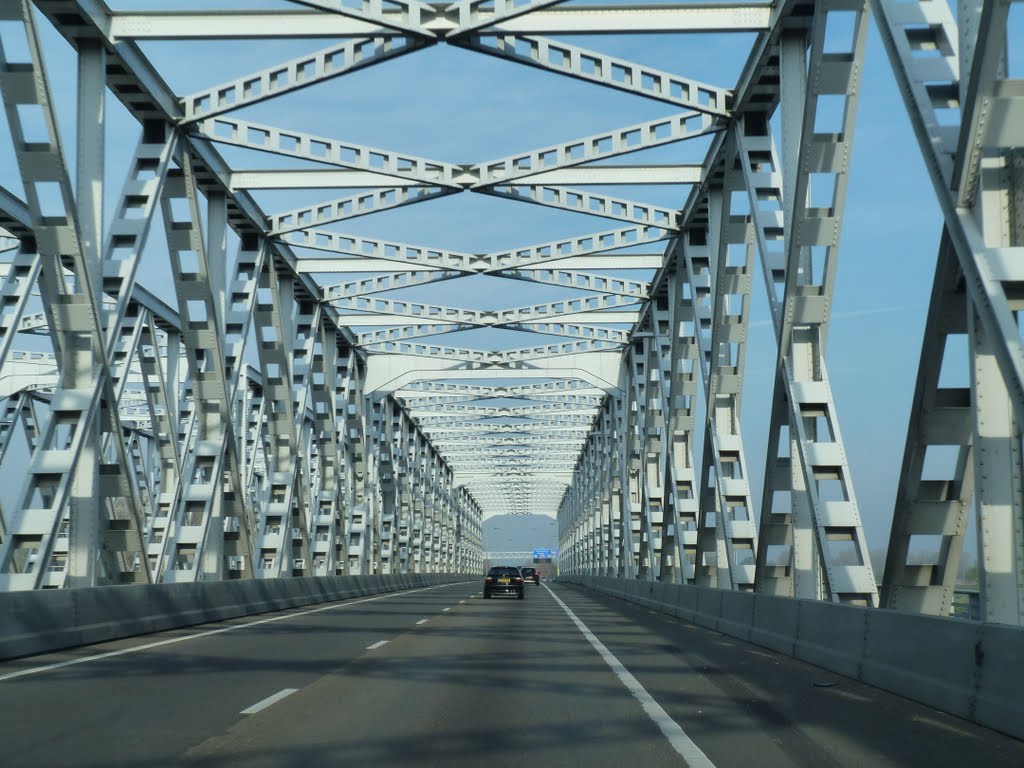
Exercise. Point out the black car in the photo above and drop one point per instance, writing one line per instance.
(504, 580)
(531, 574)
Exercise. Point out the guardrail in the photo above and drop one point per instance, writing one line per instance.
(37, 621)
(971, 669)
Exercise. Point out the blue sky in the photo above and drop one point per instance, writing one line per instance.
(459, 106)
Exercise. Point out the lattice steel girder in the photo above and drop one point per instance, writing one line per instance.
(968, 70)
(992, 105)
(362, 179)
(594, 306)
(399, 333)
(681, 403)
(517, 390)
(556, 429)
(315, 179)
(543, 409)
(492, 357)
(584, 245)
(581, 201)
(64, 471)
(483, 452)
(632, 138)
(573, 331)
(129, 73)
(604, 261)
(278, 324)
(720, 299)
(322, 149)
(581, 20)
(547, 486)
(372, 249)
(15, 218)
(407, 15)
(989, 272)
(14, 296)
(998, 486)
(800, 314)
(470, 15)
(382, 320)
(640, 553)
(344, 208)
(387, 282)
(296, 73)
(413, 403)
(601, 69)
(393, 372)
(580, 280)
(589, 175)
(546, 439)
(496, 465)
(939, 416)
(211, 468)
(564, 421)
(611, 19)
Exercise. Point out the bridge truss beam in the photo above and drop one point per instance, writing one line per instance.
(283, 409)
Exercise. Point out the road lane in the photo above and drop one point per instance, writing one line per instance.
(149, 706)
(500, 682)
(747, 705)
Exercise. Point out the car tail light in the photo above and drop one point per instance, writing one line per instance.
(519, 579)
(488, 580)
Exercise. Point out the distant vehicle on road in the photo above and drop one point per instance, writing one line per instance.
(531, 574)
(504, 580)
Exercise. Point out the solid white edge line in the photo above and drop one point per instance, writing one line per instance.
(676, 736)
(259, 705)
(376, 645)
(158, 643)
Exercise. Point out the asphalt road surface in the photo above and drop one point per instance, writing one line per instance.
(441, 677)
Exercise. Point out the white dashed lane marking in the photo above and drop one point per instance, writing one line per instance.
(376, 645)
(422, 621)
(260, 705)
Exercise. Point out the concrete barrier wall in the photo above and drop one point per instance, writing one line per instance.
(47, 620)
(966, 668)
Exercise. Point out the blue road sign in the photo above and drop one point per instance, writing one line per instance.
(542, 553)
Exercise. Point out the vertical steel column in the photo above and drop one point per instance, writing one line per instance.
(283, 542)
(358, 448)
(641, 551)
(798, 234)
(63, 475)
(681, 421)
(214, 488)
(619, 522)
(327, 380)
(974, 167)
(720, 276)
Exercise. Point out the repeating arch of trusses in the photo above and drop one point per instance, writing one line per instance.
(297, 404)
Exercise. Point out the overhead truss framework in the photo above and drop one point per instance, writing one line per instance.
(297, 402)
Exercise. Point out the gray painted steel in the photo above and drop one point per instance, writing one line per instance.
(282, 421)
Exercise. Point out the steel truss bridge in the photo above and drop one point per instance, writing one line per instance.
(290, 405)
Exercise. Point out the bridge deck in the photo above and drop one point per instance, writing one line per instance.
(461, 682)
